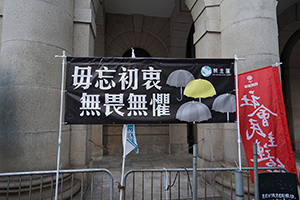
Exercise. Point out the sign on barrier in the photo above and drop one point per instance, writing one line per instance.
(278, 186)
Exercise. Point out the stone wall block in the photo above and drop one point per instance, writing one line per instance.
(148, 23)
(127, 21)
(177, 52)
(264, 47)
(212, 2)
(159, 25)
(190, 3)
(197, 9)
(48, 29)
(233, 11)
(209, 46)
(83, 15)
(138, 23)
(80, 148)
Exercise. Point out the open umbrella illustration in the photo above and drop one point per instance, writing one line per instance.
(180, 78)
(193, 111)
(224, 103)
(199, 88)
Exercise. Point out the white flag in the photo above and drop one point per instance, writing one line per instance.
(129, 139)
(132, 53)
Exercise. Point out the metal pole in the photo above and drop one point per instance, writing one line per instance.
(195, 172)
(237, 109)
(239, 185)
(256, 183)
(60, 119)
(122, 191)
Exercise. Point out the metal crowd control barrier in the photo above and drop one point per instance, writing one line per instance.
(73, 184)
(154, 184)
(212, 183)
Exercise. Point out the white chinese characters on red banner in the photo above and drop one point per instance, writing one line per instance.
(263, 119)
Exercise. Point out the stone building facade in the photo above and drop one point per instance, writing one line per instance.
(263, 32)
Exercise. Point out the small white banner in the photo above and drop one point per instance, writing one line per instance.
(129, 139)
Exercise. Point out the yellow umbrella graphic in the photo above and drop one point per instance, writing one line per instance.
(199, 88)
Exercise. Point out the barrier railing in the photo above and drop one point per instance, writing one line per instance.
(73, 184)
(213, 183)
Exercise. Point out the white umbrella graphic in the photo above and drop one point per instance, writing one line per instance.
(224, 103)
(193, 111)
(180, 78)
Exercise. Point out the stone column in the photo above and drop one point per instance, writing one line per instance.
(207, 41)
(33, 33)
(223, 29)
(84, 35)
(249, 30)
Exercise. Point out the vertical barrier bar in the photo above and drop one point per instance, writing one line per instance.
(213, 183)
(256, 186)
(41, 186)
(205, 182)
(81, 196)
(52, 187)
(143, 186)
(133, 186)
(92, 185)
(20, 182)
(112, 188)
(231, 185)
(61, 186)
(72, 185)
(195, 172)
(8, 181)
(188, 189)
(178, 185)
(151, 185)
(170, 193)
(248, 182)
(30, 187)
(101, 183)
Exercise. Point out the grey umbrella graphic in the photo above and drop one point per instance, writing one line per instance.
(193, 111)
(180, 78)
(225, 103)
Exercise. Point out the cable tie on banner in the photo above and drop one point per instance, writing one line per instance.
(61, 56)
(236, 58)
(277, 64)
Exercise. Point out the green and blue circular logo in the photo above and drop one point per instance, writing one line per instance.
(206, 71)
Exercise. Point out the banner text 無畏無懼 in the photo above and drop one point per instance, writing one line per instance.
(102, 90)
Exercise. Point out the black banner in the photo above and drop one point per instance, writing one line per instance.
(102, 90)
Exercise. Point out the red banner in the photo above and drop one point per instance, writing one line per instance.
(263, 119)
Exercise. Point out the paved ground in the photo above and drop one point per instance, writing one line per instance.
(139, 161)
